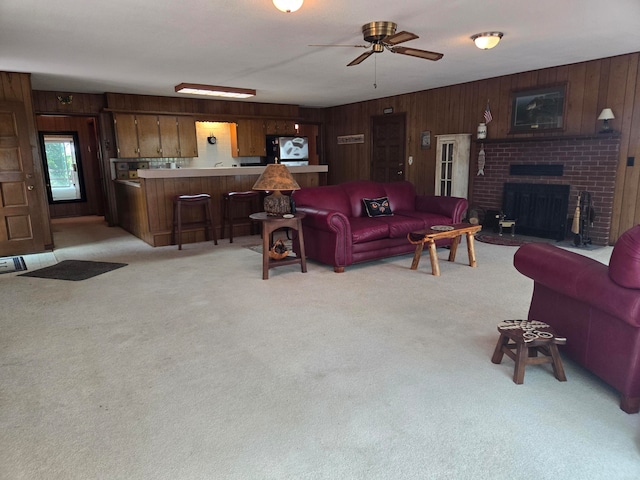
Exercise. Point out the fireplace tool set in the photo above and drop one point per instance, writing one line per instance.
(582, 220)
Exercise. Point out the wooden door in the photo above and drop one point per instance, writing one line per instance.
(388, 148)
(169, 136)
(20, 199)
(148, 136)
(126, 135)
(187, 136)
(88, 156)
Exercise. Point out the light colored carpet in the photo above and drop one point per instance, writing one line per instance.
(187, 365)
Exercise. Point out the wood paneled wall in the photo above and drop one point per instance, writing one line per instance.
(591, 86)
(206, 108)
(16, 87)
(47, 102)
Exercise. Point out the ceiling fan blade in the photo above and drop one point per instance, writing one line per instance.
(338, 45)
(361, 58)
(400, 37)
(414, 52)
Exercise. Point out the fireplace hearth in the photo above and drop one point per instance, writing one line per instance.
(579, 164)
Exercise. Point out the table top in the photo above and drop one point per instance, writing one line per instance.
(529, 331)
(263, 216)
(456, 230)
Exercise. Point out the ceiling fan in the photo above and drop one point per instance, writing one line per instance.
(381, 36)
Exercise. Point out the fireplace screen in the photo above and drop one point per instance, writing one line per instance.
(540, 210)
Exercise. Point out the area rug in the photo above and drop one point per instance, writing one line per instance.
(12, 264)
(258, 248)
(74, 270)
(495, 239)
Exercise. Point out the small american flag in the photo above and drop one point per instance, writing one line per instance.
(487, 114)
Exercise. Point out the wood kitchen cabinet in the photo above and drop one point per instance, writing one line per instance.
(126, 135)
(148, 128)
(155, 136)
(187, 137)
(138, 136)
(248, 138)
(280, 127)
(169, 139)
(178, 136)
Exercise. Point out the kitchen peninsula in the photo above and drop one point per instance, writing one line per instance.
(145, 206)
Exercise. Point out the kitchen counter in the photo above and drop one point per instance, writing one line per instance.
(222, 171)
(145, 205)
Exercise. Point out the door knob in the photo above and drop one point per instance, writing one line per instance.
(30, 187)
(400, 172)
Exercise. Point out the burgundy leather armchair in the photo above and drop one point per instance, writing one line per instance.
(338, 231)
(595, 306)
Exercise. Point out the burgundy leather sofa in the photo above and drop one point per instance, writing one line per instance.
(595, 306)
(338, 231)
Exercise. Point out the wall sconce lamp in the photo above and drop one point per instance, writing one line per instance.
(605, 116)
(214, 91)
(487, 40)
(275, 178)
(288, 6)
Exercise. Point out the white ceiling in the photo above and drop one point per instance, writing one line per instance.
(149, 46)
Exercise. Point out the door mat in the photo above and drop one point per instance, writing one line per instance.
(12, 264)
(74, 270)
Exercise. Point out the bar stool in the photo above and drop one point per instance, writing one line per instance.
(203, 200)
(250, 198)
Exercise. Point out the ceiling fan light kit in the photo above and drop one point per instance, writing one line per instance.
(487, 40)
(382, 36)
(288, 6)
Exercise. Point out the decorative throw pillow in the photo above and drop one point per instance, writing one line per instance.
(377, 207)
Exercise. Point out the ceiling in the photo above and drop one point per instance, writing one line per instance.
(149, 46)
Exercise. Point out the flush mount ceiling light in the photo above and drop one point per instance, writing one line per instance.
(214, 91)
(487, 40)
(288, 6)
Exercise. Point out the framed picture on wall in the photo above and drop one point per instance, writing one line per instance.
(540, 109)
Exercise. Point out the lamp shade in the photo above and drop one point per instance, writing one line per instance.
(288, 6)
(487, 40)
(606, 114)
(276, 176)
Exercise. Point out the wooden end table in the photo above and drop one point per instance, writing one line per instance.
(528, 338)
(271, 223)
(430, 236)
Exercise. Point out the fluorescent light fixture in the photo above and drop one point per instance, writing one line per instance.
(487, 40)
(214, 90)
(288, 6)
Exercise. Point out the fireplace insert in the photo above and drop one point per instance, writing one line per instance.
(540, 210)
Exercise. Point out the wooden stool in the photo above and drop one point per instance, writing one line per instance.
(251, 197)
(529, 338)
(203, 200)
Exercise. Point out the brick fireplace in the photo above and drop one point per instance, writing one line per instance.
(586, 163)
